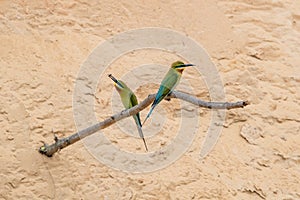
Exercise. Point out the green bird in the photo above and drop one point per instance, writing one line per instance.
(129, 100)
(168, 84)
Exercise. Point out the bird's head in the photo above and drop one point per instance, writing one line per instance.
(179, 66)
(119, 85)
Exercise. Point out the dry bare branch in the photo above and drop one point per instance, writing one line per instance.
(59, 144)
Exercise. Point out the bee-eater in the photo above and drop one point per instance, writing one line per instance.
(129, 100)
(168, 84)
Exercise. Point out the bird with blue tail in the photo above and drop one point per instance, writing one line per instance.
(129, 100)
(168, 84)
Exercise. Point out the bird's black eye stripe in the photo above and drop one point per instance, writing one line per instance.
(179, 66)
(184, 65)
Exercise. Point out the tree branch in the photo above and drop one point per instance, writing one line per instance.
(59, 144)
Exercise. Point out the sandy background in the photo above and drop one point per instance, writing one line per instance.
(255, 46)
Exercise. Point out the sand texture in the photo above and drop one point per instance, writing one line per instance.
(255, 45)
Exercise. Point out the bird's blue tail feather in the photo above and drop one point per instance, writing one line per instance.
(150, 112)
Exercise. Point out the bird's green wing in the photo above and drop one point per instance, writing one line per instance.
(133, 102)
(167, 85)
(171, 79)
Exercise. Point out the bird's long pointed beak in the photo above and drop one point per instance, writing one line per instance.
(185, 65)
(115, 80)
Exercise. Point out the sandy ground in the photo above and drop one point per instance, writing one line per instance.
(255, 45)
